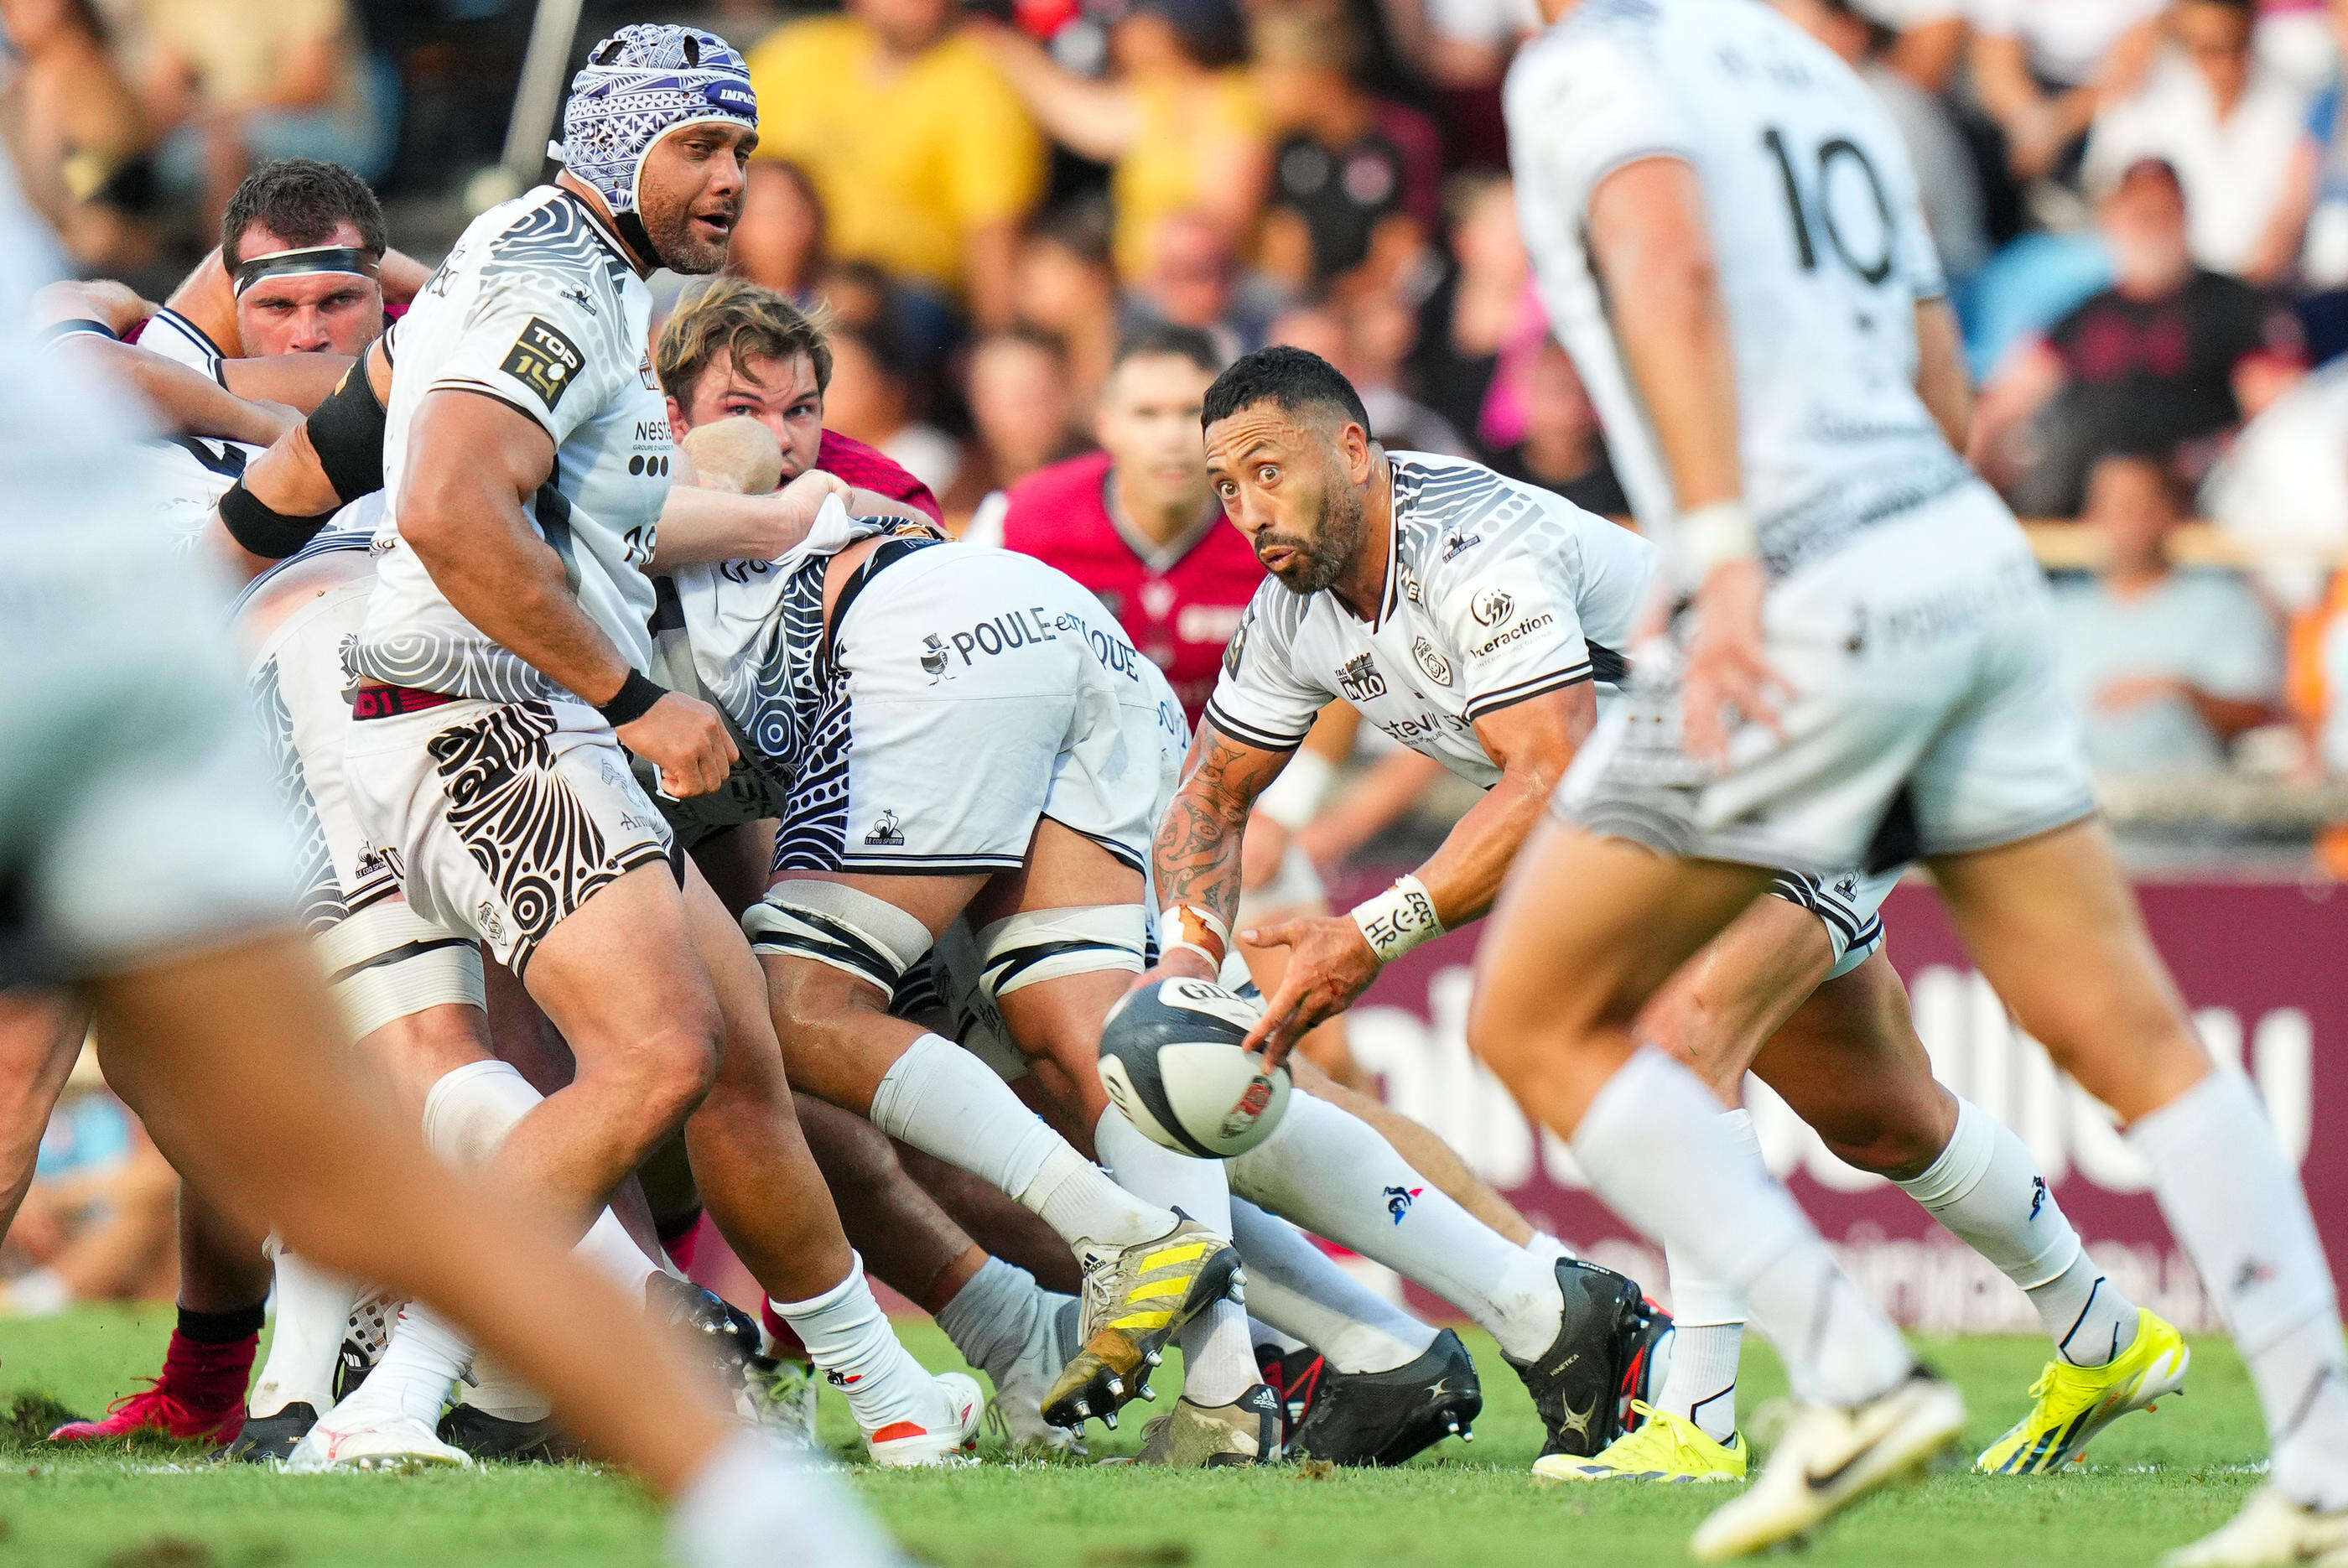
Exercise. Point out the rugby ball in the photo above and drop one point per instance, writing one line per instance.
(1170, 1060)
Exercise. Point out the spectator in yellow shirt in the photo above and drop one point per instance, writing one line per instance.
(923, 156)
(1180, 121)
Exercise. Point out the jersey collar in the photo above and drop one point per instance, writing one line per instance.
(1390, 597)
(602, 229)
(1159, 558)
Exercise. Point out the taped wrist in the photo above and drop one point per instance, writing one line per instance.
(1398, 920)
(346, 432)
(261, 528)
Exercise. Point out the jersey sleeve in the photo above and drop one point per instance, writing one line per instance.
(1509, 608)
(1582, 105)
(531, 348)
(1260, 698)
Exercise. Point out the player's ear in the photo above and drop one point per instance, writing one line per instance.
(676, 424)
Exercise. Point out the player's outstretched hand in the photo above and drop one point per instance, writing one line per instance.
(684, 739)
(1330, 964)
(1726, 666)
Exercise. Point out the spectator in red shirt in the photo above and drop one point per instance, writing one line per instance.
(2170, 355)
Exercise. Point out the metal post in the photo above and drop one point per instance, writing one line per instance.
(552, 32)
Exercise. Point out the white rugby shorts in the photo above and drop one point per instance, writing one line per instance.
(1926, 716)
(383, 960)
(982, 698)
(503, 818)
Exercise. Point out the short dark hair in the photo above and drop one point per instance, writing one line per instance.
(303, 201)
(1163, 338)
(1295, 379)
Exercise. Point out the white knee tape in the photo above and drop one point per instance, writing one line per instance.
(387, 962)
(470, 1111)
(842, 926)
(1050, 944)
(977, 1022)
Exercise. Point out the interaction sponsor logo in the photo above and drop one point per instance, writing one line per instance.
(1516, 633)
(1493, 606)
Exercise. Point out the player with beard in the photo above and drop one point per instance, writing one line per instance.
(1474, 619)
(117, 704)
(1726, 232)
(757, 641)
(500, 671)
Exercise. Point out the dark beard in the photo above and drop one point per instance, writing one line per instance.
(1344, 527)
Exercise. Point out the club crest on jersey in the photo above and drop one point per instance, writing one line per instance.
(1492, 606)
(1359, 679)
(1436, 667)
(545, 361)
(887, 832)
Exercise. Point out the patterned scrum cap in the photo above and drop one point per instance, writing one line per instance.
(637, 86)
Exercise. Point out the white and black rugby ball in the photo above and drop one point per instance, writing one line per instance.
(1170, 1060)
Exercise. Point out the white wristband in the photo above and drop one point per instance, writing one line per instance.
(1398, 920)
(1712, 535)
(1194, 928)
(1292, 798)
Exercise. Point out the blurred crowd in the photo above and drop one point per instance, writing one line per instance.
(2143, 205)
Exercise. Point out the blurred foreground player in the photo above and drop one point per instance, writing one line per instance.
(117, 704)
(1727, 235)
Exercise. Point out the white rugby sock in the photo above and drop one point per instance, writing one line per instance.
(1654, 1148)
(313, 1308)
(1218, 1362)
(1708, 1319)
(754, 1502)
(989, 1318)
(2231, 1197)
(1986, 1188)
(420, 1365)
(945, 1102)
(1544, 1245)
(1334, 1174)
(1293, 1286)
(849, 1338)
(467, 1117)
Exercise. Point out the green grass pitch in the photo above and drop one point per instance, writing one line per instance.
(2155, 1480)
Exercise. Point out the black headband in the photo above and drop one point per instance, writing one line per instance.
(314, 259)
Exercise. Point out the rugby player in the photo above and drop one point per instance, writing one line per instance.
(1449, 559)
(1726, 231)
(498, 674)
(759, 640)
(118, 705)
(315, 237)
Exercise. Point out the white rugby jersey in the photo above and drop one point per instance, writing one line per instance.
(537, 307)
(191, 473)
(1495, 592)
(1820, 239)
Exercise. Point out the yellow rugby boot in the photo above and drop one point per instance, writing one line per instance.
(1663, 1448)
(1136, 1299)
(2072, 1404)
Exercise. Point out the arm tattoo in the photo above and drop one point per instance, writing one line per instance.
(1197, 851)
